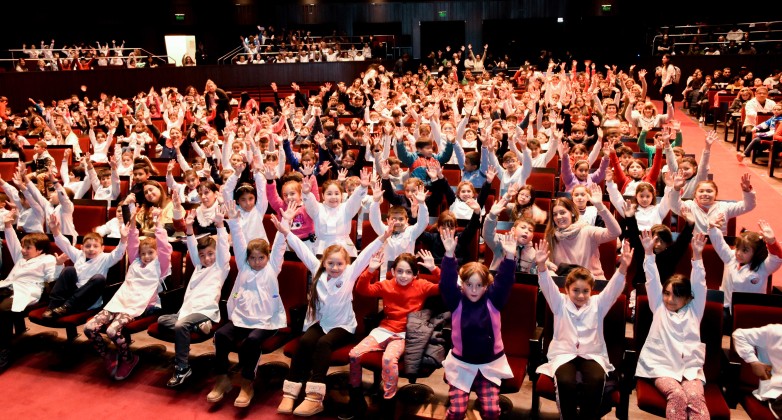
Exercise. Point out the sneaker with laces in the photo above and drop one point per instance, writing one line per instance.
(179, 376)
(125, 367)
(205, 327)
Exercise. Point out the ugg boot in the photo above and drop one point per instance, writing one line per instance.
(222, 385)
(290, 392)
(313, 401)
(245, 394)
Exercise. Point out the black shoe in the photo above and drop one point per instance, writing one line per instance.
(179, 376)
(48, 314)
(57, 312)
(357, 407)
(5, 358)
(776, 407)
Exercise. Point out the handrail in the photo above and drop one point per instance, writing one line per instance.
(233, 51)
(656, 37)
(722, 24)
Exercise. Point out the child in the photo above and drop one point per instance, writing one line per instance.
(477, 360)
(403, 295)
(105, 184)
(692, 171)
(332, 218)
(424, 156)
(673, 355)
(41, 159)
(747, 267)
(705, 206)
(647, 212)
(59, 203)
(138, 295)
(80, 287)
(330, 322)
(510, 172)
(404, 236)
(578, 347)
(33, 267)
(525, 207)
(301, 225)
(578, 173)
(31, 213)
(251, 206)
(101, 143)
(461, 202)
(759, 347)
(522, 232)
(407, 200)
(541, 160)
(209, 194)
(255, 310)
(187, 192)
(199, 308)
(635, 172)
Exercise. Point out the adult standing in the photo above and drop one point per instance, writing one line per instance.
(666, 74)
(216, 99)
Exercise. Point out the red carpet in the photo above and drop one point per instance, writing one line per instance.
(34, 387)
(727, 173)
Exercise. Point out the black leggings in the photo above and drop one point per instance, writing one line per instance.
(227, 339)
(584, 390)
(313, 355)
(66, 292)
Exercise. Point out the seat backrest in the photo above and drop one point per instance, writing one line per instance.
(161, 165)
(364, 306)
(607, 252)
(8, 168)
(763, 116)
(518, 320)
(293, 287)
(543, 179)
(176, 279)
(88, 214)
(753, 310)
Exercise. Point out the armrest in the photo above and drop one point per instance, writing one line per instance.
(536, 356)
(731, 364)
(171, 300)
(626, 382)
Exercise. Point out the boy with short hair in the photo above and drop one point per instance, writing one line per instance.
(200, 305)
(33, 267)
(41, 159)
(424, 156)
(105, 183)
(404, 236)
(522, 231)
(80, 287)
(541, 160)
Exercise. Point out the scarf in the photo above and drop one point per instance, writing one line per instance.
(570, 231)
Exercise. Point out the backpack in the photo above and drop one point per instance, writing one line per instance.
(677, 74)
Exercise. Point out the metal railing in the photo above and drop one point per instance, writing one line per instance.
(746, 25)
(240, 50)
(65, 53)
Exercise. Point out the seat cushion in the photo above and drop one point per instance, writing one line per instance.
(72, 320)
(140, 324)
(756, 409)
(652, 401)
(545, 389)
(339, 357)
(276, 341)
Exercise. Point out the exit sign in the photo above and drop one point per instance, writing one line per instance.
(179, 16)
(442, 13)
(606, 8)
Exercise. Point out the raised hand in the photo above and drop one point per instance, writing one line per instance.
(54, 224)
(710, 138)
(697, 244)
(746, 185)
(219, 215)
(307, 169)
(473, 204)
(679, 180)
(306, 187)
(541, 255)
(686, 213)
(766, 231)
(491, 173)
(190, 218)
(376, 261)
(629, 208)
(647, 240)
(498, 207)
(283, 226)
(389, 229)
(290, 212)
(231, 212)
(61, 258)
(595, 195)
(626, 257)
(668, 98)
(449, 241)
(171, 166)
(509, 245)
(717, 221)
(427, 260)
(420, 194)
(342, 175)
(366, 177)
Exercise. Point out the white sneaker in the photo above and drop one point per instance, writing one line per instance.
(205, 327)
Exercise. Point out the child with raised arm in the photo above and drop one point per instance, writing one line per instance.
(80, 287)
(58, 203)
(255, 310)
(693, 172)
(677, 305)
(747, 267)
(402, 295)
(301, 224)
(522, 232)
(477, 360)
(31, 214)
(33, 267)
(761, 348)
(105, 183)
(403, 238)
(330, 321)
(578, 347)
(252, 202)
(199, 308)
(332, 217)
(138, 295)
(705, 206)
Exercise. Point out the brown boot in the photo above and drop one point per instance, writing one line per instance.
(313, 402)
(290, 392)
(222, 385)
(245, 394)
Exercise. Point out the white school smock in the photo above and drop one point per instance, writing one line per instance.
(335, 296)
(27, 277)
(673, 348)
(255, 300)
(202, 294)
(398, 243)
(742, 278)
(578, 332)
(703, 215)
(764, 345)
(85, 270)
(332, 225)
